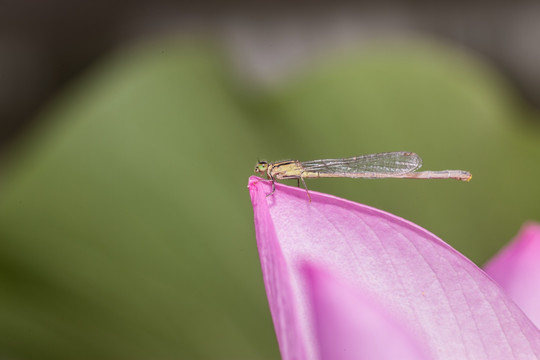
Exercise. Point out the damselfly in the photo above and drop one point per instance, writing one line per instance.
(373, 166)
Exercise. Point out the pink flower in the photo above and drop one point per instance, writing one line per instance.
(517, 269)
(346, 281)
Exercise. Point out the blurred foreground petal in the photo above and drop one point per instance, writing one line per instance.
(517, 269)
(349, 324)
(447, 302)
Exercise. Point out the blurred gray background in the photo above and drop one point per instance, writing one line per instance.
(43, 45)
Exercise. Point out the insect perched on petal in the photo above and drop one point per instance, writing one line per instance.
(373, 166)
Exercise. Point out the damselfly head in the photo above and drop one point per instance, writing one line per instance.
(261, 167)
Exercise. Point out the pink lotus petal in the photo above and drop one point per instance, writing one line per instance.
(349, 324)
(456, 310)
(517, 269)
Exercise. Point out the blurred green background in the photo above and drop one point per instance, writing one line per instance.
(126, 230)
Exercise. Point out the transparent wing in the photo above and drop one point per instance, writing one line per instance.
(382, 163)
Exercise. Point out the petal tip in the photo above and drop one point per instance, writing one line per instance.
(254, 184)
(252, 181)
